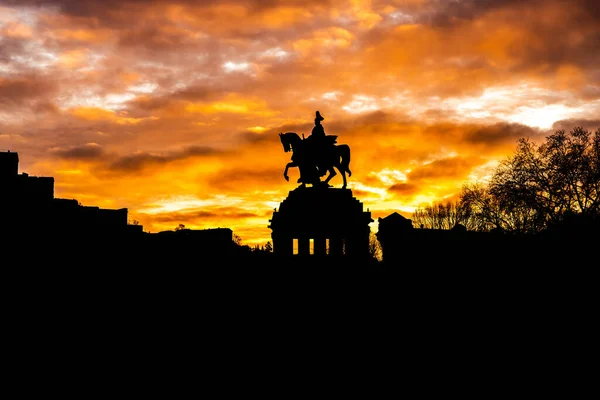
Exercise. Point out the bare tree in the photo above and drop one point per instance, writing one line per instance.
(573, 161)
(483, 211)
(375, 247)
(442, 215)
(427, 217)
(237, 239)
(538, 186)
(268, 247)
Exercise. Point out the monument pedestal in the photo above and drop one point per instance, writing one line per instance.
(323, 221)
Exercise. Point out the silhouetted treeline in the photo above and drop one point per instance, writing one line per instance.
(539, 189)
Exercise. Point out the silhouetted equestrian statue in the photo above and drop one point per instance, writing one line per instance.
(316, 155)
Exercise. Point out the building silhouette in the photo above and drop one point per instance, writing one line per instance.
(398, 238)
(18, 188)
(191, 244)
(402, 244)
(28, 209)
(65, 230)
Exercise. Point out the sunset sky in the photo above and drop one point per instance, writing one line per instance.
(172, 109)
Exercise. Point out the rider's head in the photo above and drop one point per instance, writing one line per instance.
(318, 118)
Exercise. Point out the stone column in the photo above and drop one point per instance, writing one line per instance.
(320, 246)
(303, 246)
(336, 246)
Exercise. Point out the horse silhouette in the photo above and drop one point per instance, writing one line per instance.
(334, 157)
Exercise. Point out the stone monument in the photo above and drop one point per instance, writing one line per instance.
(331, 218)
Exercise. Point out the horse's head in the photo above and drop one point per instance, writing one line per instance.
(285, 142)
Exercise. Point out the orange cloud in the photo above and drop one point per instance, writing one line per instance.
(74, 58)
(324, 41)
(100, 114)
(82, 35)
(16, 30)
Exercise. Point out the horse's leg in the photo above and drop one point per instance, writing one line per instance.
(288, 166)
(344, 153)
(343, 172)
(332, 173)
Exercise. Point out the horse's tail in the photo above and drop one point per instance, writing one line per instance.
(345, 154)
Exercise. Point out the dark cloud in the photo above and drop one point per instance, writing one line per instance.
(93, 7)
(590, 8)
(449, 12)
(118, 13)
(361, 193)
(591, 92)
(9, 48)
(42, 106)
(21, 90)
(454, 167)
(90, 151)
(497, 40)
(553, 47)
(371, 180)
(569, 124)
(240, 178)
(139, 161)
(499, 133)
(404, 188)
(157, 38)
(446, 13)
(206, 91)
(367, 123)
(263, 137)
(571, 37)
(215, 213)
(143, 104)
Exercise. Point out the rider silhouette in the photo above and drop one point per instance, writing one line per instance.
(319, 144)
(318, 132)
